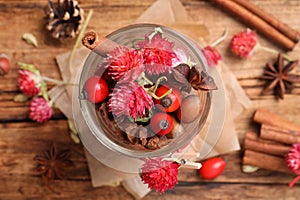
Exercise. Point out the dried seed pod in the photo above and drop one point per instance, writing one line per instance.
(177, 129)
(201, 81)
(153, 143)
(190, 109)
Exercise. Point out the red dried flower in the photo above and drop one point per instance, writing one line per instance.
(158, 61)
(243, 43)
(29, 82)
(293, 162)
(155, 41)
(121, 60)
(159, 174)
(40, 110)
(212, 55)
(130, 99)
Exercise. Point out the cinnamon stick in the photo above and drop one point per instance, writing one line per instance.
(278, 134)
(272, 148)
(270, 19)
(256, 23)
(255, 136)
(263, 116)
(98, 43)
(265, 161)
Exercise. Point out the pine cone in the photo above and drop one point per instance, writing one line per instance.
(64, 18)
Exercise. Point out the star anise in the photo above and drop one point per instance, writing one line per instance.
(187, 78)
(278, 78)
(201, 80)
(51, 165)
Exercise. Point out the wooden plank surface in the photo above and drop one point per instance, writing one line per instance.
(21, 139)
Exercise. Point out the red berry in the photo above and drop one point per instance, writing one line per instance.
(172, 101)
(161, 123)
(4, 64)
(96, 89)
(212, 168)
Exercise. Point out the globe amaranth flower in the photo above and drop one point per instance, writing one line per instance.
(130, 99)
(40, 110)
(157, 53)
(29, 82)
(212, 55)
(155, 40)
(243, 43)
(158, 61)
(159, 174)
(121, 60)
(293, 162)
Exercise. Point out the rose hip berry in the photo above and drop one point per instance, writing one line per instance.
(172, 101)
(212, 168)
(161, 123)
(96, 89)
(4, 64)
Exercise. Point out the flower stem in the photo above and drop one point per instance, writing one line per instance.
(219, 40)
(88, 18)
(267, 49)
(153, 89)
(292, 183)
(143, 80)
(162, 96)
(57, 82)
(185, 163)
(56, 96)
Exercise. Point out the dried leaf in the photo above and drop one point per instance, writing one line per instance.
(75, 138)
(249, 168)
(30, 39)
(73, 132)
(21, 98)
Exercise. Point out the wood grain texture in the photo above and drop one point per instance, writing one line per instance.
(21, 139)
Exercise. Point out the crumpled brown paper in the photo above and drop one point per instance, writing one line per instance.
(170, 13)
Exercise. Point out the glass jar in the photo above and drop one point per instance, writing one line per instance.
(102, 135)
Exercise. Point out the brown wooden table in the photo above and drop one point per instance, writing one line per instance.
(21, 139)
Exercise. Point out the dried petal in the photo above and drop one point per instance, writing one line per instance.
(212, 55)
(21, 98)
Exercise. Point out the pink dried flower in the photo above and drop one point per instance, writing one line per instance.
(159, 174)
(156, 41)
(40, 110)
(29, 82)
(158, 61)
(121, 60)
(243, 43)
(293, 162)
(130, 99)
(132, 75)
(212, 55)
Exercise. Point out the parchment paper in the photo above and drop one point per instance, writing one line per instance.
(170, 13)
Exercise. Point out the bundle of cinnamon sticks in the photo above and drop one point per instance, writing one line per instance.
(262, 22)
(268, 148)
